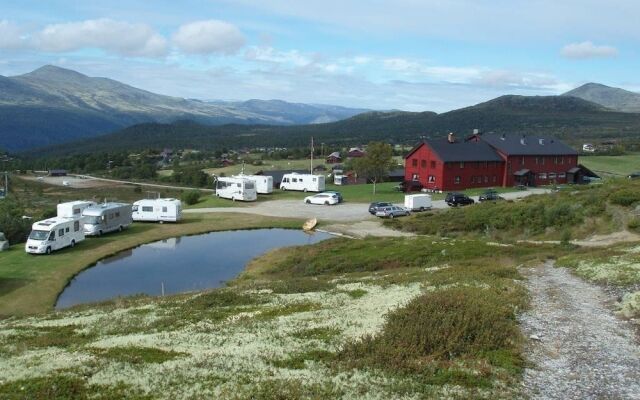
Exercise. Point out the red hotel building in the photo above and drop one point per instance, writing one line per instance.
(484, 160)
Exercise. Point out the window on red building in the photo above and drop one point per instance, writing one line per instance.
(486, 179)
(542, 175)
(456, 180)
(414, 162)
(461, 164)
(494, 179)
(433, 164)
(432, 178)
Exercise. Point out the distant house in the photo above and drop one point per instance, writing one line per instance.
(226, 162)
(588, 148)
(318, 168)
(57, 172)
(334, 158)
(355, 152)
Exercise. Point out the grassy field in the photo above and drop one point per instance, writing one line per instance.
(612, 165)
(31, 284)
(374, 318)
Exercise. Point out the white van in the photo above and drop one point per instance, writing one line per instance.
(157, 210)
(303, 182)
(236, 189)
(106, 217)
(73, 209)
(264, 183)
(54, 234)
(417, 202)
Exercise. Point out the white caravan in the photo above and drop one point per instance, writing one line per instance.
(303, 182)
(54, 234)
(106, 217)
(264, 183)
(236, 189)
(157, 210)
(417, 202)
(73, 209)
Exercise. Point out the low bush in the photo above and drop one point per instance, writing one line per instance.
(625, 197)
(190, 197)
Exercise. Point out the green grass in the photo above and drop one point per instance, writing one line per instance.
(612, 165)
(30, 283)
(137, 355)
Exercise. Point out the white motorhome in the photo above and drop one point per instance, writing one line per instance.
(417, 202)
(106, 217)
(264, 183)
(73, 209)
(236, 189)
(54, 234)
(303, 182)
(157, 210)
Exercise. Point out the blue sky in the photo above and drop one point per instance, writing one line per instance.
(415, 55)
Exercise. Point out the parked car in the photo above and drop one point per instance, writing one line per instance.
(340, 199)
(458, 199)
(634, 175)
(322, 198)
(490, 195)
(375, 206)
(392, 212)
(409, 186)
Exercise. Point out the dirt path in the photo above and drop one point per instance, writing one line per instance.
(365, 228)
(579, 348)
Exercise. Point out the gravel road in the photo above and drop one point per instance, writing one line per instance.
(579, 348)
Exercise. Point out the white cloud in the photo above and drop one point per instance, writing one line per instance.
(208, 37)
(588, 50)
(11, 36)
(106, 34)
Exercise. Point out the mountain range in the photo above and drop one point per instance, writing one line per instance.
(566, 117)
(53, 105)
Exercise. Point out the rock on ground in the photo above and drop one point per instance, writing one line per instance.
(579, 350)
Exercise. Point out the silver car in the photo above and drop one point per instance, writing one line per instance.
(392, 212)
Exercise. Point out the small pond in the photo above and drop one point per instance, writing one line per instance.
(177, 265)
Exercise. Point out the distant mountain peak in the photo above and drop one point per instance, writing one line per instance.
(607, 96)
(51, 71)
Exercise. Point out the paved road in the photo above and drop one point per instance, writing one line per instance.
(155, 185)
(342, 212)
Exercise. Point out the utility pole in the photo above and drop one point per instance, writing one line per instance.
(311, 169)
(5, 160)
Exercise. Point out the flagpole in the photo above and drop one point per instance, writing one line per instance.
(311, 168)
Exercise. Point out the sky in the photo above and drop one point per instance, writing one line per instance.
(414, 55)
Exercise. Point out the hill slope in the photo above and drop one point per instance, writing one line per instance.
(610, 97)
(53, 105)
(565, 117)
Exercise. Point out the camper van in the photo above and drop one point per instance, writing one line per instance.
(157, 210)
(106, 217)
(73, 209)
(264, 183)
(236, 189)
(303, 182)
(54, 234)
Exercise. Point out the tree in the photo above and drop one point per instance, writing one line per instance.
(376, 163)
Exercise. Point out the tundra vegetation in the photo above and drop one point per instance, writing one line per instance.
(428, 316)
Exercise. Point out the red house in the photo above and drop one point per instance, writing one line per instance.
(450, 164)
(334, 158)
(532, 161)
(355, 152)
(491, 160)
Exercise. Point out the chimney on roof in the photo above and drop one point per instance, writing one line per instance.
(522, 142)
(451, 138)
(541, 141)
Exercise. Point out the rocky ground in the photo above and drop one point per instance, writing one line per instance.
(578, 348)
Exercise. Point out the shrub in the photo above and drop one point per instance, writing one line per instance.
(190, 197)
(625, 197)
(634, 225)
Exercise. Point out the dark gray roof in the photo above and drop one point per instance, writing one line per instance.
(463, 151)
(533, 145)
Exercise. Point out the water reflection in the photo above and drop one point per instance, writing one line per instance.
(179, 265)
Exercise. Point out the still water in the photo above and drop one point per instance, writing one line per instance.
(179, 264)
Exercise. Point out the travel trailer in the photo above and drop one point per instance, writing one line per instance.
(157, 210)
(303, 182)
(54, 234)
(106, 217)
(236, 189)
(417, 202)
(264, 183)
(73, 209)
